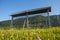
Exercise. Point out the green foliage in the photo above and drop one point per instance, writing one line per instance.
(30, 34)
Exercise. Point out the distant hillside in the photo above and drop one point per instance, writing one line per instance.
(55, 20)
(35, 21)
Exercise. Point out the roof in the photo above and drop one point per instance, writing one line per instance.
(32, 11)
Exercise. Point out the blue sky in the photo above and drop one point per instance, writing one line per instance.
(8, 7)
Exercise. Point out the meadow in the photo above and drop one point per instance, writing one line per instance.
(30, 34)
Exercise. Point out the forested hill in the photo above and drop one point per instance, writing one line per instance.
(33, 21)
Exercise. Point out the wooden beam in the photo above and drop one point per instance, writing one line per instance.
(11, 21)
(27, 21)
(49, 22)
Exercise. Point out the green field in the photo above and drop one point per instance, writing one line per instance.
(30, 34)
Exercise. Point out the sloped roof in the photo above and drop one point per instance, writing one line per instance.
(32, 11)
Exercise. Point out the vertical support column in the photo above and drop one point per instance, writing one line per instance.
(49, 23)
(12, 21)
(27, 21)
(24, 24)
(46, 21)
(58, 21)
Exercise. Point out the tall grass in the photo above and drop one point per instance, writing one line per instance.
(30, 34)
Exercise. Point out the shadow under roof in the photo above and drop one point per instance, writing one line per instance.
(32, 11)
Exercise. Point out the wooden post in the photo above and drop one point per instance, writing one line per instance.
(27, 21)
(49, 23)
(24, 24)
(46, 22)
(58, 20)
(12, 21)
